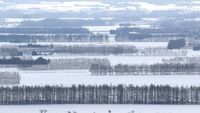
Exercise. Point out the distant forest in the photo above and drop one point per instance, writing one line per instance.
(19, 35)
(70, 30)
(156, 35)
(19, 38)
(103, 94)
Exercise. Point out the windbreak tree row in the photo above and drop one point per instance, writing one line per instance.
(18, 38)
(68, 64)
(154, 69)
(96, 49)
(102, 94)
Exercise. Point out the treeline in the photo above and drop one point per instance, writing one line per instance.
(10, 50)
(90, 49)
(8, 78)
(68, 64)
(19, 38)
(56, 23)
(153, 69)
(96, 49)
(36, 46)
(19, 35)
(21, 61)
(152, 34)
(103, 94)
(196, 47)
(182, 60)
(40, 30)
(160, 51)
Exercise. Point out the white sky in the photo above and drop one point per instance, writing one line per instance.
(88, 5)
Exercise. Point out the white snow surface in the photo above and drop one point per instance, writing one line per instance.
(101, 108)
(76, 77)
(123, 59)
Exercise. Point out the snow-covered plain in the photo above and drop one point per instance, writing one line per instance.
(102, 108)
(123, 59)
(76, 77)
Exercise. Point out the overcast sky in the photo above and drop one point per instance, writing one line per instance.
(99, 5)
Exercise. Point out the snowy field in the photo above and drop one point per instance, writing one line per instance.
(193, 53)
(76, 77)
(102, 108)
(84, 77)
(115, 59)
